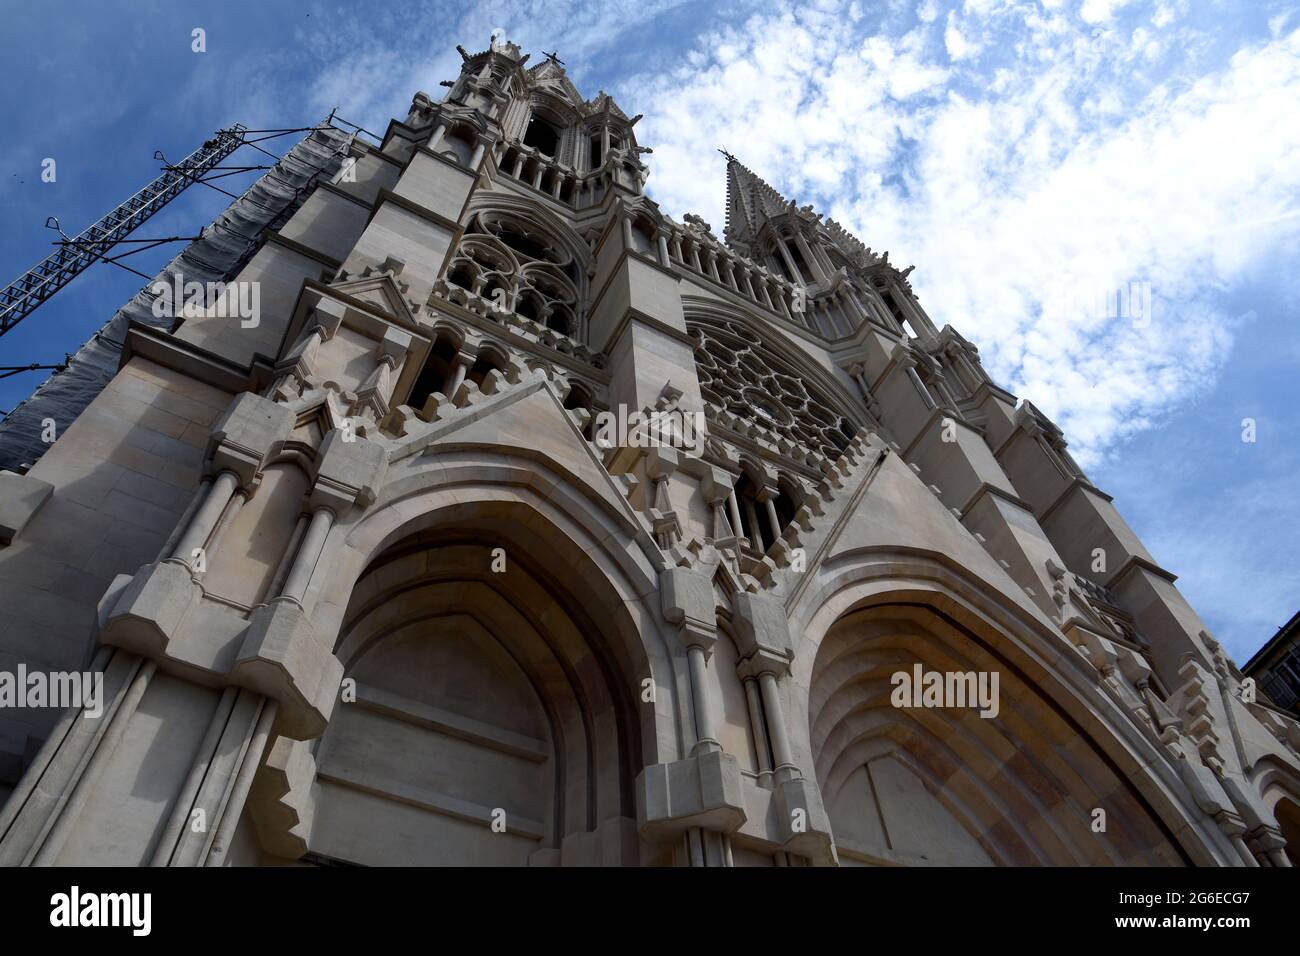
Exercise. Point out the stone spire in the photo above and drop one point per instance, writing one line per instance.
(750, 202)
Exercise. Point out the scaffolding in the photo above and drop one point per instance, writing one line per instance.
(219, 251)
(20, 298)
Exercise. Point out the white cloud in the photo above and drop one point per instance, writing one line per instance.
(1014, 155)
(1099, 11)
(958, 44)
(1167, 11)
(371, 66)
(1078, 173)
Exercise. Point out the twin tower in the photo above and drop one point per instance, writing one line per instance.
(362, 581)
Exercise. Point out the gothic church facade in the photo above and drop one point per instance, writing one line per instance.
(372, 580)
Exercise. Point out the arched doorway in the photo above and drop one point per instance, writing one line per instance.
(491, 721)
(1287, 812)
(943, 785)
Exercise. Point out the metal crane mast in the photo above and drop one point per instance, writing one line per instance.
(19, 298)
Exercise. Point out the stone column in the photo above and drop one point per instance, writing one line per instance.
(295, 587)
(1269, 845)
(718, 508)
(809, 257)
(762, 634)
(713, 265)
(920, 322)
(706, 739)
(856, 305)
(859, 373)
(758, 725)
(228, 516)
(70, 813)
(698, 800)
(780, 739)
(752, 513)
(716, 487)
(782, 297)
(205, 519)
(460, 367)
(921, 387)
(660, 463)
(242, 784)
(768, 497)
(196, 502)
(737, 527)
(747, 284)
(840, 313)
(795, 274)
(286, 561)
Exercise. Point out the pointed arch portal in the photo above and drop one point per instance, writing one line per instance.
(946, 786)
(495, 718)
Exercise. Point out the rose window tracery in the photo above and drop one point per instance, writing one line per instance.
(740, 376)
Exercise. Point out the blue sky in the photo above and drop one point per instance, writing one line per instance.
(1025, 156)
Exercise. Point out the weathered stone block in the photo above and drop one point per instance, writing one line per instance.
(21, 496)
(802, 821)
(151, 609)
(350, 472)
(761, 626)
(283, 798)
(246, 433)
(612, 843)
(284, 658)
(687, 600)
(702, 791)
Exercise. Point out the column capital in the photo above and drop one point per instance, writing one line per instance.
(661, 461)
(246, 434)
(716, 484)
(686, 597)
(762, 633)
(348, 473)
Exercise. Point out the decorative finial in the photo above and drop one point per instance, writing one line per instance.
(553, 58)
(730, 158)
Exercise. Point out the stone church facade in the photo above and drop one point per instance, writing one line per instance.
(388, 574)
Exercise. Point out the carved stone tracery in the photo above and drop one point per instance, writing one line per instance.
(739, 376)
(519, 268)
